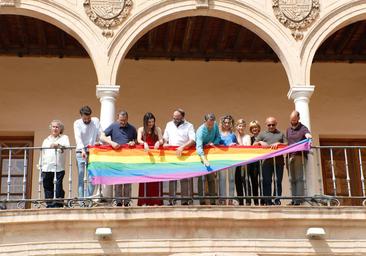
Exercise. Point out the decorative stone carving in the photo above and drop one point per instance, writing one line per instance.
(7, 3)
(202, 4)
(108, 13)
(296, 15)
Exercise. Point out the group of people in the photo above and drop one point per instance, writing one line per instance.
(181, 134)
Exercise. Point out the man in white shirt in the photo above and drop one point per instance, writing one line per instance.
(52, 161)
(180, 133)
(87, 132)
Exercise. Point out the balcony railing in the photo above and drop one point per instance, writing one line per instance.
(340, 170)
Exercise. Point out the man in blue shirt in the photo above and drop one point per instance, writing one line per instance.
(117, 134)
(207, 134)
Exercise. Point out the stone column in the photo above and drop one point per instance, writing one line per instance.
(301, 97)
(107, 95)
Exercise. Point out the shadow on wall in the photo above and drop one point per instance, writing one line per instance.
(321, 247)
(109, 246)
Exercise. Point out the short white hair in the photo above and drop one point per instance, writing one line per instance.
(59, 123)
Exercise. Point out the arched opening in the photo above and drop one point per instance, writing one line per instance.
(338, 72)
(46, 74)
(201, 59)
(203, 64)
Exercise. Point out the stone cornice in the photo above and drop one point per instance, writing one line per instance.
(183, 230)
(199, 212)
(104, 91)
(301, 92)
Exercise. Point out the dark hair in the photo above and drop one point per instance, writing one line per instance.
(210, 116)
(123, 113)
(181, 111)
(85, 110)
(146, 119)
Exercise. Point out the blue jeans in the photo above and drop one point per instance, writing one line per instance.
(82, 165)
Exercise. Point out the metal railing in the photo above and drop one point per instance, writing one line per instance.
(342, 173)
(24, 195)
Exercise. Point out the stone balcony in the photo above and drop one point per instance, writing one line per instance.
(206, 230)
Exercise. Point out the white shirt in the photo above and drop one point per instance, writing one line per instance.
(49, 156)
(86, 134)
(246, 140)
(178, 136)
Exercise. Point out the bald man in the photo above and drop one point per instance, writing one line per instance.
(297, 161)
(272, 138)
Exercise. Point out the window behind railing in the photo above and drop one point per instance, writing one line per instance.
(343, 169)
(20, 168)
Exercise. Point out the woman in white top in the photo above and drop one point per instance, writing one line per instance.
(52, 162)
(240, 181)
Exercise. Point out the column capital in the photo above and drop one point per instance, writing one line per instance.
(304, 92)
(107, 91)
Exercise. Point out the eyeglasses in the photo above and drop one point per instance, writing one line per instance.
(271, 125)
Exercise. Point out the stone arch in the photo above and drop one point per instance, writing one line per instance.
(63, 17)
(337, 18)
(241, 13)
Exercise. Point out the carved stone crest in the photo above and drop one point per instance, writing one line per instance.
(296, 15)
(202, 4)
(107, 13)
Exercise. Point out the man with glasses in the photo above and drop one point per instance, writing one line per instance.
(297, 160)
(272, 138)
(179, 133)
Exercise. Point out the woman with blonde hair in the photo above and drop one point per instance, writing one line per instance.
(228, 138)
(253, 168)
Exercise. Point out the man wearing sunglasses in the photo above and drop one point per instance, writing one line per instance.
(272, 138)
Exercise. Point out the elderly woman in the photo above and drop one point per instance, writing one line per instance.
(228, 138)
(52, 162)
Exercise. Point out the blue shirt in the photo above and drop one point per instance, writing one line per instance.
(226, 140)
(205, 136)
(121, 135)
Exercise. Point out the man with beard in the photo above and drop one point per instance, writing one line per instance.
(297, 160)
(180, 133)
(87, 132)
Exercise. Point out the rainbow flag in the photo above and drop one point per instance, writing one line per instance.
(134, 165)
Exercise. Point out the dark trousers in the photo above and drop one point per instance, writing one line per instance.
(246, 183)
(210, 178)
(48, 187)
(268, 168)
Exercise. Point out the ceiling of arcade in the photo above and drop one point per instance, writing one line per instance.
(198, 38)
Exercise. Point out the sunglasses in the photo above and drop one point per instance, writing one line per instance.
(271, 125)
